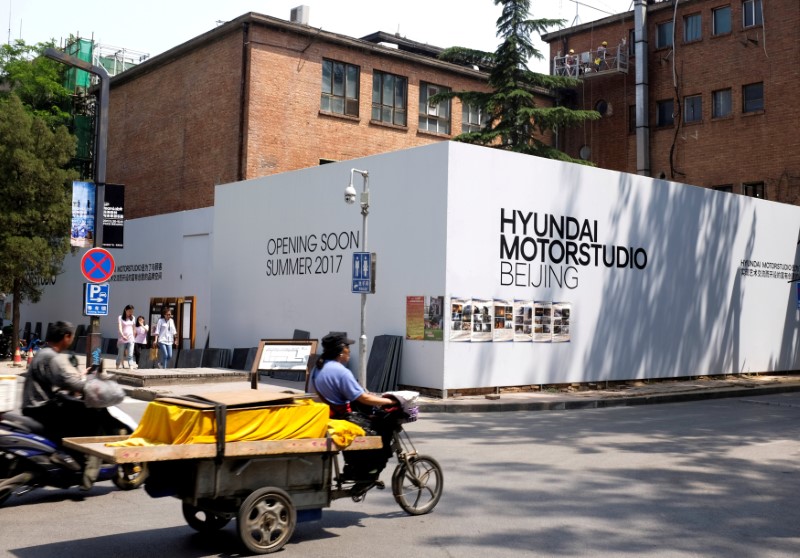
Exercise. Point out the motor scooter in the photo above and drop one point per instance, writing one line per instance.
(29, 460)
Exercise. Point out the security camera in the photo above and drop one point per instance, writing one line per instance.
(350, 195)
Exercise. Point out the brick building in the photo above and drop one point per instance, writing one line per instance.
(721, 78)
(260, 95)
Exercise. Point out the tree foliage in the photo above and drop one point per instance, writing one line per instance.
(35, 183)
(512, 118)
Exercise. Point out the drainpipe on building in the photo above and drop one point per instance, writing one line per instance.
(642, 128)
(240, 171)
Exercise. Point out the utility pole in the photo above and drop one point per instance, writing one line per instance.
(94, 338)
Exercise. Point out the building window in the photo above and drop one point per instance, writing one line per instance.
(751, 13)
(754, 190)
(721, 21)
(473, 118)
(664, 113)
(631, 119)
(389, 98)
(631, 42)
(692, 28)
(693, 108)
(664, 35)
(724, 188)
(721, 103)
(753, 97)
(339, 88)
(433, 118)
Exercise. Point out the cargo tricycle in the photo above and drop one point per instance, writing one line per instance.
(269, 485)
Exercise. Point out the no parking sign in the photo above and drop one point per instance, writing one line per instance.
(97, 265)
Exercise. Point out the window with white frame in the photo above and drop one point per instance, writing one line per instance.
(753, 97)
(665, 113)
(692, 28)
(664, 35)
(693, 108)
(751, 13)
(389, 98)
(754, 190)
(721, 103)
(473, 118)
(339, 88)
(433, 117)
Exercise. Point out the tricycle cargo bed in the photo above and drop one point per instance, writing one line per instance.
(96, 445)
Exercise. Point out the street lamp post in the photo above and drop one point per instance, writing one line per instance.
(94, 338)
(350, 198)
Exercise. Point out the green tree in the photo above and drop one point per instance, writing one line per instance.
(35, 183)
(511, 117)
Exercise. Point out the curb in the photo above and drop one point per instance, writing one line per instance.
(462, 406)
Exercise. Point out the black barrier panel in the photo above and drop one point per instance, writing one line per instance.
(190, 358)
(110, 346)
(216, 358)
(80, 345)
(145, 362)
(239, 359)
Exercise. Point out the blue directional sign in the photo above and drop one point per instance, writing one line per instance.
(362, 266)
(96, 299)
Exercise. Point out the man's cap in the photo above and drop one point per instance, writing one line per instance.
(334, 341)
(571, 51)
(605, 43)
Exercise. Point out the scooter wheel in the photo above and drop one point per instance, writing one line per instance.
(130, 476)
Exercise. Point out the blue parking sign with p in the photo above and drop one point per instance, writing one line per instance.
(96, 299)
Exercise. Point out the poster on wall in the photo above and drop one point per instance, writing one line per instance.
(114, 216)
(482, 320)
(83, 206)
(434, 313)
(415, 317)
(542, 322)
(562, 312)
(503, 321)
(523, 321)
(460, 319)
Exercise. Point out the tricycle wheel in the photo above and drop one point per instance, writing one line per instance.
(417, 486)
(130, 475)
(203, 521)
(266, 520)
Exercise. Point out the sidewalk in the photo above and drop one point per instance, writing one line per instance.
(197, 381)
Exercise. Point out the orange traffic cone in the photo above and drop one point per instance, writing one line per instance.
(30, 356)
(17, 357)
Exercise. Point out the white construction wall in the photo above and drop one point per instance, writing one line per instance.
(702, 288)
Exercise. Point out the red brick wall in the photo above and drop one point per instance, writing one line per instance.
(174, 131)
(740, 148)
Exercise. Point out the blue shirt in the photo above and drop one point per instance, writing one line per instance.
(335, 383)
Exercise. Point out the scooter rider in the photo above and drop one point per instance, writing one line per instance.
(50, 372)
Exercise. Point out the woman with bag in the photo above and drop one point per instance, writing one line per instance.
(165, 337)
(126, 337)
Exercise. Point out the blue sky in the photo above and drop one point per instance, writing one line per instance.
(152, 27)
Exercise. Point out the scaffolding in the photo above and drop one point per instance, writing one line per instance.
(84, 104)
(592, 63)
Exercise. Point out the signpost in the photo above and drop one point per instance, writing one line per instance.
(97, 266)
(363, 280)
(95, 301)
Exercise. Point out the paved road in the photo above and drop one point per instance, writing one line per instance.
(709, 478)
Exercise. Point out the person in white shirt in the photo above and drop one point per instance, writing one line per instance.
(140, 338)
(165, 337)
(125, 325)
